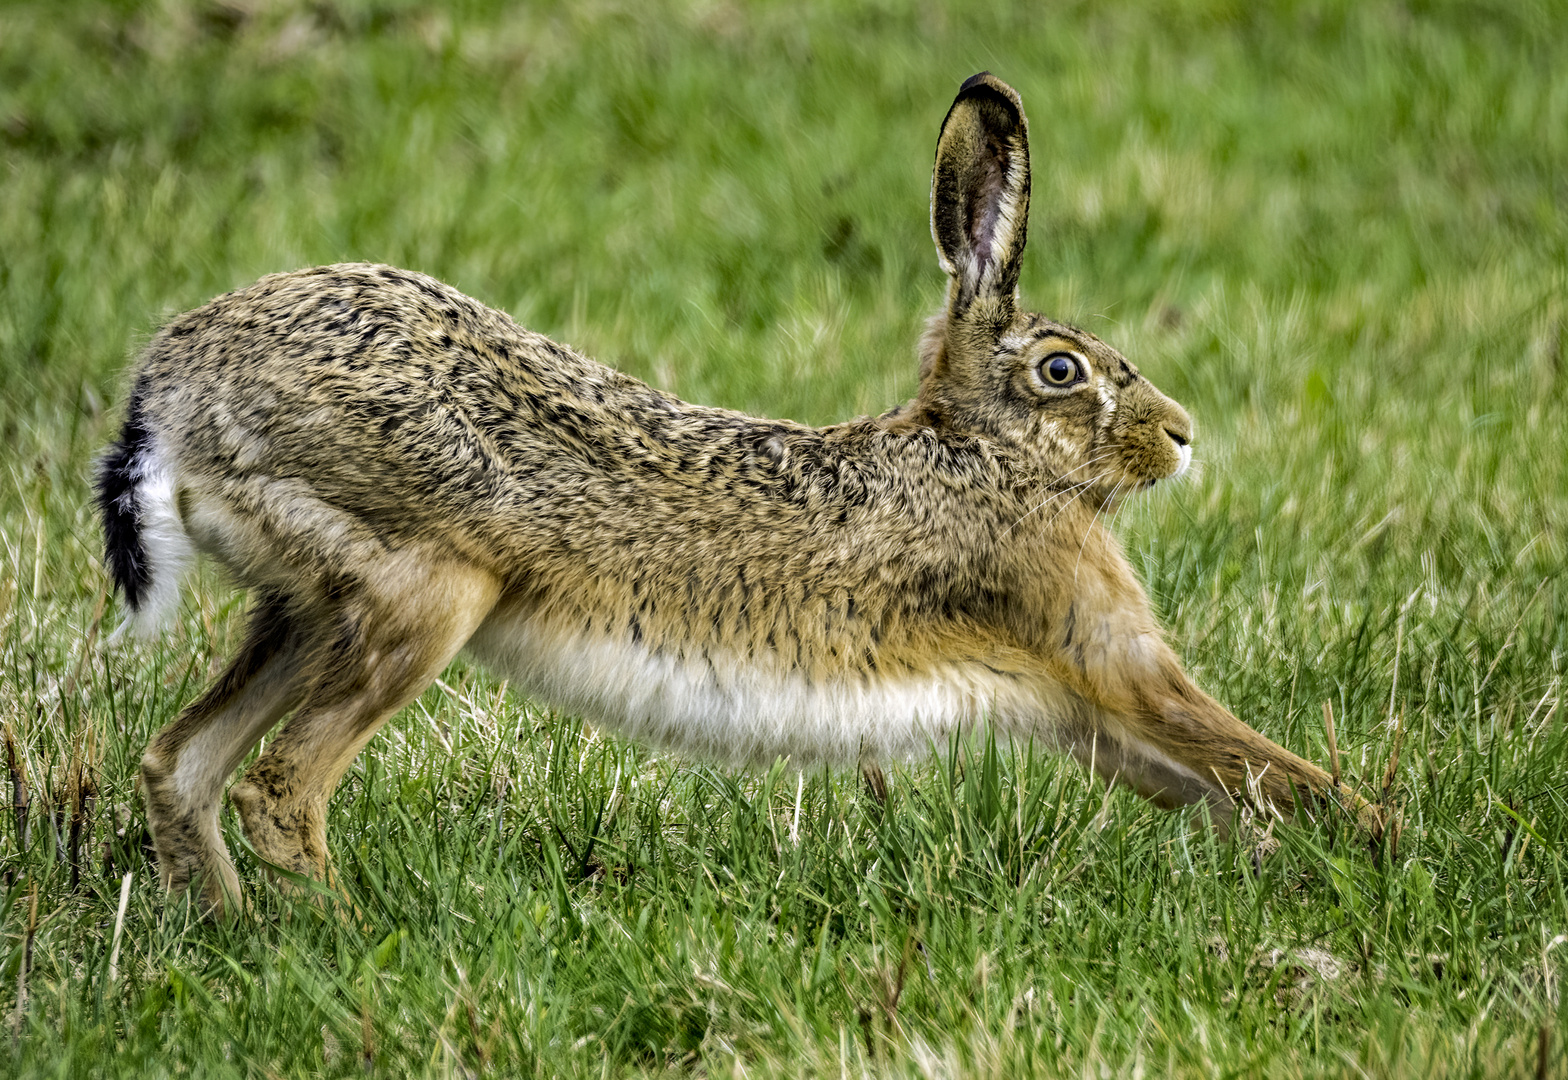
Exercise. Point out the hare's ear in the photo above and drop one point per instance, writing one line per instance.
(980, 192)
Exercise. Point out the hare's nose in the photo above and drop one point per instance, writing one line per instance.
(1177, 437)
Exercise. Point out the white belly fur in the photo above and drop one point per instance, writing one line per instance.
(747, 712)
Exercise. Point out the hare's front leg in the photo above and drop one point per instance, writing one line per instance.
(386, 643)
(1173, 744)
(1144, 723)
(186, 765)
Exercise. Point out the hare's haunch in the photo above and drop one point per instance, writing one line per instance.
(399, 473)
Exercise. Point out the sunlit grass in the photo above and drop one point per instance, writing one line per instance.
(1333, 231)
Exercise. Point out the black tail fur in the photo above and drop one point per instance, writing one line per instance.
(117, 477)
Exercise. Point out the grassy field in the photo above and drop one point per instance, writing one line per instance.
(1336, 233)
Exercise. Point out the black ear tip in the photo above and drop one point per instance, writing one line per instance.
(984, 84)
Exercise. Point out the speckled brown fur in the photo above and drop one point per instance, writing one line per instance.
(400, 470)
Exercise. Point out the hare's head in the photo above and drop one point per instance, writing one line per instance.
(1066, 404)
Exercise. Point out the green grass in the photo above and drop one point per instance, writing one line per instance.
(1335, 232)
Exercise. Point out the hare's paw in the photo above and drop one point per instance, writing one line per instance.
(288, 833)
(186, 839)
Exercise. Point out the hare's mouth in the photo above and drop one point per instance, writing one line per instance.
(1183, 463)
(1148, 483)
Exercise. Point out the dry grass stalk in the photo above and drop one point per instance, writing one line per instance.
(1393, 757)
(1333, 743)
(20, 799)
(1399, 648)
(119, 927)
(82, 792)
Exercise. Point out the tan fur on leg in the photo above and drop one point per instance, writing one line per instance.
(387, 649)
(187, 763)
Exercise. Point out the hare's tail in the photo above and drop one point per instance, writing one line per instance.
(145, 543)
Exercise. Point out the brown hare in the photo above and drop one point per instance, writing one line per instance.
(399, 474)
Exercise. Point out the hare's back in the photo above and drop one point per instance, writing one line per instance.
(357, 342)
(317, 416)
(366, 399)
(369, 382)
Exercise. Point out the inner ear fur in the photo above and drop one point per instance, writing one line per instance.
(980, 192)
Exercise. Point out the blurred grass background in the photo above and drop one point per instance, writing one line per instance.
(1335, 231)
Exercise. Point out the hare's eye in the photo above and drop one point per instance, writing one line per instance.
(1060, 369)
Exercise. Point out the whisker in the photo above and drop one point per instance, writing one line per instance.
(1115, 513)
(1101, 456)
(1048, 501)
(1063, 491)
(1086, 485)
(1090, 528)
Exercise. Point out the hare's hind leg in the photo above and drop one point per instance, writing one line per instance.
(391, 637)
(186, 764)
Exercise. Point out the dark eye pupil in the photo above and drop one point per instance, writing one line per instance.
(1059, 369)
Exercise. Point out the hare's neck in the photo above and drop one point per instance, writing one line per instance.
(750, 710)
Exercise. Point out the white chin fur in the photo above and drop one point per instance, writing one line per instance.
(1185, 455)
(165, 545)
